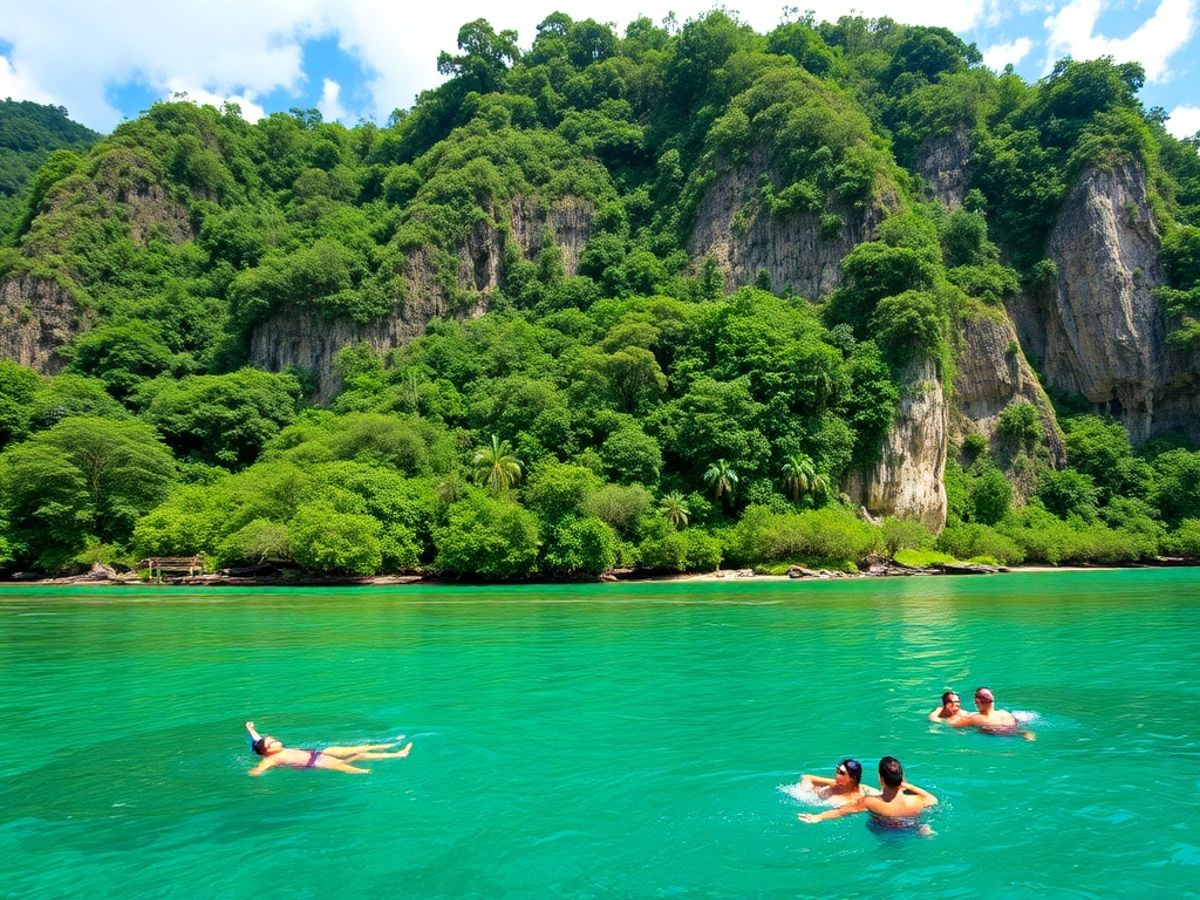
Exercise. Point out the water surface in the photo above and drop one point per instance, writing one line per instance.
(607, 740)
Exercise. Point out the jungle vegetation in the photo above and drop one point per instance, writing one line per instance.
(631, 413)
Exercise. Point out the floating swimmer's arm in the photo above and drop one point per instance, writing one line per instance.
(964, 720)
(254, 735)
(817, 780)
(859, 805)
(936, 715)
(266, 763)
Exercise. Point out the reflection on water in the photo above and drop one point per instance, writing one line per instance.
(625, 740)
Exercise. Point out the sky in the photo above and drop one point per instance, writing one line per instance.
(362, 59)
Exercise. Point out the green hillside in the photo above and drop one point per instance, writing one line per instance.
(625, 409)
(29, 133)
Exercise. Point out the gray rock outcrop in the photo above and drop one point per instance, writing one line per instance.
(944, 163)
(301, 338)
(991, 373)
(906, 480)
(37, 317)
(743, 237)
(1099, 330)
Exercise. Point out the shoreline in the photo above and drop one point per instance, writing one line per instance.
(103, 576)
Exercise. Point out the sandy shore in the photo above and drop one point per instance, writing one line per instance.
(719, 575)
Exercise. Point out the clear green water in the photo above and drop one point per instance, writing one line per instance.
(609, 740)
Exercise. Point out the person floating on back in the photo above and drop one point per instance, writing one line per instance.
(989, 719)
(951, 708)
(844, 787)
(273, 754)
(897, 806)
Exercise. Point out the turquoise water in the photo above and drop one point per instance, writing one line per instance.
(607, 740)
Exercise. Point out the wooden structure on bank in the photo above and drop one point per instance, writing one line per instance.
(173, 566)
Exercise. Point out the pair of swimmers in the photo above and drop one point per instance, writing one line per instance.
(895, 805)
(988, 719)
(273, 754)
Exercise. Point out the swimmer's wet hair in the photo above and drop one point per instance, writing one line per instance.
(853, 768)
(260, 745)
(946, 695)
(891, 772)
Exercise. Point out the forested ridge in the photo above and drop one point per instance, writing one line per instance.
(29, 133)
(555, 361)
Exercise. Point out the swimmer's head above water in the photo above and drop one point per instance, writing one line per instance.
(851, 769)
(984, 697)
(891, 773)
(266, 745)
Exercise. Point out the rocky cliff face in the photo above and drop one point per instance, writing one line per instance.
(37, 317)
(907, 479)
(1099, 330)
(991, 374)
(300, 338)
(743, 237)
(944, 164)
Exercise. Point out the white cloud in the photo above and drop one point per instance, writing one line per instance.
(178, 90)
(999, 55)
(1184, 121)
(330, 104)
(1072, 32)
(18, 85)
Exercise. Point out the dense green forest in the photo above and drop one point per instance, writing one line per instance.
(29, 133)
(625, 411)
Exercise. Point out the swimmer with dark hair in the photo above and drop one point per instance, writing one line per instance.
(338, 759)
(951, 708)
(844, 787)
(989, 719)
(897, 806)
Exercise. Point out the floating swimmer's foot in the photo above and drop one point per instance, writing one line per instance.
(926, 831)
(1029, 735)
(403, 751)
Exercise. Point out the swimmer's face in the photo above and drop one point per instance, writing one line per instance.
(954, 704)
(271, 745)
(842, 777)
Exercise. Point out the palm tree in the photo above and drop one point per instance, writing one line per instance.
(821, 486)
(798, 473)
(451, 488)
(674, 509)
(496, 466)
(722, 478)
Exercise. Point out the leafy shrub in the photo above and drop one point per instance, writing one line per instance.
(970, 541)
(832, 535)
(904, 534)
(487, 537)
(580, 545)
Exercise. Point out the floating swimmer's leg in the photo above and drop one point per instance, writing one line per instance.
(399, 754)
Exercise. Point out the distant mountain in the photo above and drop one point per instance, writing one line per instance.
(29, 133)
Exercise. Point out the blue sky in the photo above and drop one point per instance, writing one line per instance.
(357, 59)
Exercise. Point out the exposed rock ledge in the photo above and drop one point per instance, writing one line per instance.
(907, 479)
(295, 337)
(37, 316)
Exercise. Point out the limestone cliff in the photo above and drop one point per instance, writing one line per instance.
(39, 314)
(944, 164)
(292, 337)
(37, 317)
(1098, 329)
(906, 480)
(992, 373)
(743, 237)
